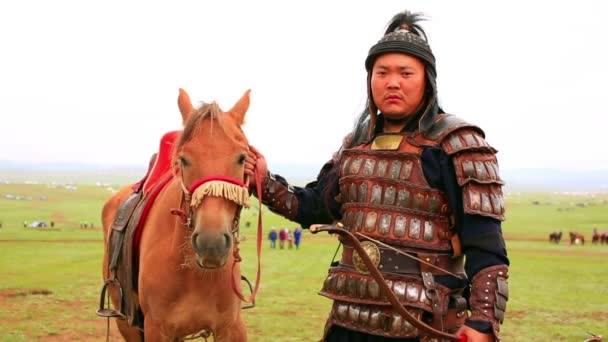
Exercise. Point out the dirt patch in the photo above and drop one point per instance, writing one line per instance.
(10, 293)
(58, 217)
(100, 330)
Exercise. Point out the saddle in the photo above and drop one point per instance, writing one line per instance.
(125, 233)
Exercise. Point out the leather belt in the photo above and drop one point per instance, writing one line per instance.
(393, 262)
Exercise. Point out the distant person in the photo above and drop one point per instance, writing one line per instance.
(412, 179)
(24, 224)
(297, 237)
(282, 238)
(52, 224)
(289, 238)
(272, 236)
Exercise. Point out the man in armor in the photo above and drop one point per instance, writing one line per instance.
(421, 189)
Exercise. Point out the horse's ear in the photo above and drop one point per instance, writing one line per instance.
(240, 108)
(185, 105)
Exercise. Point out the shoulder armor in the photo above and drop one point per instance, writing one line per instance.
(476, 170)
(446, 124)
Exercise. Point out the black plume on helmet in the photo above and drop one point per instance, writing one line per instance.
(405, 35)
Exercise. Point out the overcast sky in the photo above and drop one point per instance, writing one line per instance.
(97, 81)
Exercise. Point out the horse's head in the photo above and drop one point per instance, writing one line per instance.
(210, 159)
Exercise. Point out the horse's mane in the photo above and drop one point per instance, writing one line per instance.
(206, 110)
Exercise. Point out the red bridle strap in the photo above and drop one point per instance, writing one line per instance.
(258, 186)
(215, 178)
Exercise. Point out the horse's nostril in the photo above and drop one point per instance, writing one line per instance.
(227, 240)
(195, 241)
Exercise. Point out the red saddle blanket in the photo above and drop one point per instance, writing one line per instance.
(158, 176)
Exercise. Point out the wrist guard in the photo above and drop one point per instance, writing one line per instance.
(489, 295)
(279, 197)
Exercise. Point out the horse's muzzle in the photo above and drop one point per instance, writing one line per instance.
(211, 249)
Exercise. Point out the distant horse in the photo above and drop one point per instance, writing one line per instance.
(604, 238)
(555, 237)
(187, 259)
(595, 237)
(576, 238)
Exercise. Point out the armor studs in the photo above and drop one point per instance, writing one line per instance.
(485, 203)
(353, 313)
(385, 224)
(475, 199)
(362, 288)
(370, 221)
(340, 282)
(352, 193)
(455, 142)
(419, 200)
(355, 166)
(400, 223)
(395, 169)
(407, 170)
(399, 289)
(351, 286)
(373, 289)
(363, 192)
(468, 170)
(358, 221)
(403, 198)
(382, 166)
(412, 293)
(429, 231)
(434, 205)
(374, 319)
(342, 311)
(396, 323)
(389, 196)
(481, 170)
(407, 327)
(364, 315)
(415, 228)
(345, 170)
(491, 170)
(376, 195)
(470, 140)
(368, 167)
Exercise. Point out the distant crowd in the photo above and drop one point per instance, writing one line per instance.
(287, 238)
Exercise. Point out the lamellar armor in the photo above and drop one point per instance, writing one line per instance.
(388, 203)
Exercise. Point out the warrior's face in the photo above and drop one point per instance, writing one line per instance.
(398, 85)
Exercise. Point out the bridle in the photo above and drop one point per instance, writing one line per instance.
(236, 191)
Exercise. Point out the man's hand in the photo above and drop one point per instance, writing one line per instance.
(255, 160)
(474, 335)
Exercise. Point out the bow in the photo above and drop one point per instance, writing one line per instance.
(390, 295)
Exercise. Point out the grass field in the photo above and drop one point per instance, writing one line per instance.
(50, 278)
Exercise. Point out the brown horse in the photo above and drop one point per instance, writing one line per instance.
(187, 262)
(576, 238)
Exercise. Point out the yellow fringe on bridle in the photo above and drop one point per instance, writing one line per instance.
(218, 188)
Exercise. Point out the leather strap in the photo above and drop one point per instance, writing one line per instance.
(393, 262)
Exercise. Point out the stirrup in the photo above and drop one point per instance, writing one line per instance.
(252, 304)
(107, 312)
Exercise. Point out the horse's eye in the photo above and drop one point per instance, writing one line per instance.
(242, 158)
(183, 161)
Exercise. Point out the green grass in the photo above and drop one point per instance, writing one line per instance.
(557, 292)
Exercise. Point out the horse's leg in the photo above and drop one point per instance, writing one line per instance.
(130, 334)
(236, 333)
(154, 332)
